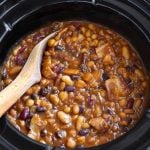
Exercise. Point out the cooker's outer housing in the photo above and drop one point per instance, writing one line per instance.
(131, 18)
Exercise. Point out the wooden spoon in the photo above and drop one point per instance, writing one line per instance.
(29, 75)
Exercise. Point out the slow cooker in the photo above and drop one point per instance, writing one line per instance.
(130, 18)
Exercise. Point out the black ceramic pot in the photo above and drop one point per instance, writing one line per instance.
(131, 18)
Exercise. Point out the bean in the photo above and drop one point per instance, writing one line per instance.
(34, 96)
(79, 122)
(40, 109)
(80, 84)
(20, 60)
(55, 90)
(87, 76)
(83, 29)
(54, 99)
(43, 132)
(67, 109)
(51, 42)
(24, 114)
(67, 80)
(61, 134)
(91, 26)
(63, 117)
(122, 115)
(85, 125)
(105, 76)
(30, 102)
(22, 123)
(15, 70)
(63, 95)
(19, 106)
(81, 139)
(84, 68)
(125, 52)
(108, 60)
(70, 88)
(62, 85)
(137, 103)
(88, 33)
(129, 111)
(45, 90)
(38, 102)
(72, 133)
(75, 109)
(71, 71)
(71, 143)
(123, 102)
(81, 109)
(124, 123)
(84, 132)
(58, 68)
(30, 115)
(8, 81)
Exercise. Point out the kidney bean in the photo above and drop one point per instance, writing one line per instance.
(60, 134)
(81, 109)
(40, 109)
(30, 115)
(22, 49)
(43, 132)
(45, 90)
(34, 96)
(70, 88)
(20, 60)
(58, 68)
(24, 114)
(105, 76)
(130, 103)
(84, 132)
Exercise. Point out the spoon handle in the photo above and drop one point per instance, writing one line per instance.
(14, 91)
